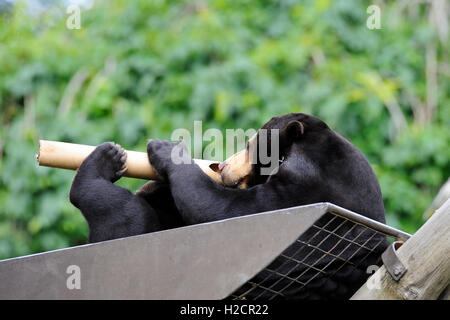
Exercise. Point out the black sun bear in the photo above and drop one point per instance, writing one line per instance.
(314, 164)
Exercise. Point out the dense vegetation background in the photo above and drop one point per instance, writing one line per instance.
(140, 69)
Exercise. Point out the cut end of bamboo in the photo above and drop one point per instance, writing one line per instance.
(36, 156)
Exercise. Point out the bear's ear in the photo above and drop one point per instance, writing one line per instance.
(293, 130)
(215, 167)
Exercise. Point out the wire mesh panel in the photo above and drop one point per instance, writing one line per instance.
(328, 261)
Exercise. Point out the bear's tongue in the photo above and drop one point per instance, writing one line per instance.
(222, 165)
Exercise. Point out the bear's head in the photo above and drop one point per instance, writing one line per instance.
(281, 138)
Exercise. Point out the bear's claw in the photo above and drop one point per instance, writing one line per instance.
(109, 160)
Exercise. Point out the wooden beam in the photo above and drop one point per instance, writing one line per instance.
(426, 255)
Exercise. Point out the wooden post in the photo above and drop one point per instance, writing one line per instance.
(426, 255)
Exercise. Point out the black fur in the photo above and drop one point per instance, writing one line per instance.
(319, 166)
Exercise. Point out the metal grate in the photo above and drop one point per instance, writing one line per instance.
(330, 260)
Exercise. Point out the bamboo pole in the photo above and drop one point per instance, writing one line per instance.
(426, 255)
(65, 155)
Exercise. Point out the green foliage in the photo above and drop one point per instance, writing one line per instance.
(140, 69)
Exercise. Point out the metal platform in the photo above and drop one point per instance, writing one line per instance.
(261, 255)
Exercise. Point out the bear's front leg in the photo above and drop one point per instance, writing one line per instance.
(111, 211)
(197, 197)
(167, 157)
(106, 162)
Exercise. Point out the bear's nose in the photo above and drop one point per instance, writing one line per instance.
(222, 165)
